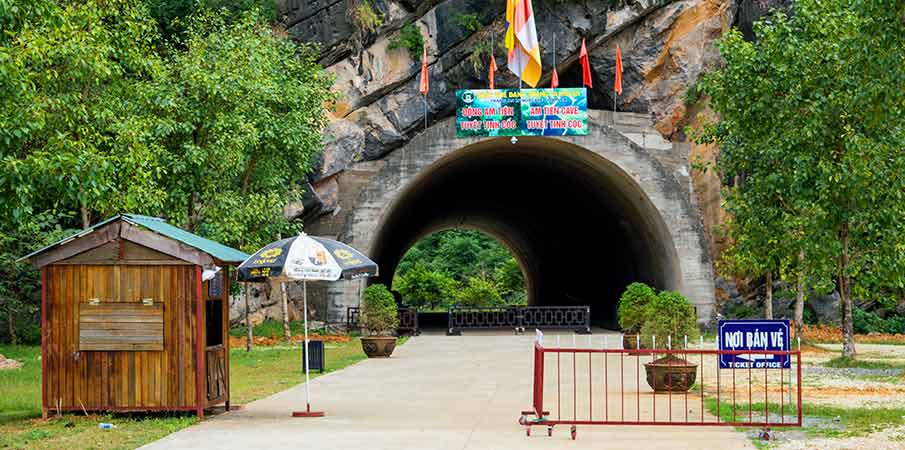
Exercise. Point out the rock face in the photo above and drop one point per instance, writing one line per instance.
(666, 45)
(265, 304)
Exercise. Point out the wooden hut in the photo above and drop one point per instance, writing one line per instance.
(134, 317)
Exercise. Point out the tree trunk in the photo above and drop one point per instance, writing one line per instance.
(249, 333)
(11, 322)
(848, 331)
(86, 218)
(284, 304)
(799, 295)
(768, 302)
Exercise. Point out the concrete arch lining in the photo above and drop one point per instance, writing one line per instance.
(584, 215)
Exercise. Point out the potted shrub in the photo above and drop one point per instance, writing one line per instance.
(379, 318)
(632, 312)
(670, 316)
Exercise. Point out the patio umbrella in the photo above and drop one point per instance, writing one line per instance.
(306, 258)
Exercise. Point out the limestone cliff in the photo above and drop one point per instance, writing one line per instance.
(666, 45)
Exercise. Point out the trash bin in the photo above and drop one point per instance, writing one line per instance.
(316, 360)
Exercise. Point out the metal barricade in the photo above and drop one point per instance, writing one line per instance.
(518, 318)
(598, 385)
(408, 320)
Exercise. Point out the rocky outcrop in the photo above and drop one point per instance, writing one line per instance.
(265, 304)
(666, 46)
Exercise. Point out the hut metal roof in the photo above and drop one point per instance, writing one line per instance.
(218, 251)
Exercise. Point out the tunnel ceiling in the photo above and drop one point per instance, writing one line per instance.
(578, 225)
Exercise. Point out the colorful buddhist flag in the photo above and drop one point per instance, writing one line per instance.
(554, 82)
(585, 66)
(521, 40)
(425, 82)
(510, 32)
(491, 70)
(617, 86)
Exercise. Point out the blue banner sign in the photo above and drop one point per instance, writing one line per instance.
(521, 112)
(763, 335)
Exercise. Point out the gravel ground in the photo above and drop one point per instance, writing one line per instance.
(889, 439)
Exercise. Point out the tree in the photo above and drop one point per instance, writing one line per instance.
(813, 112)
(426, 289)
(478, 291)
(241, 116)
(511, 282)
(98, 115)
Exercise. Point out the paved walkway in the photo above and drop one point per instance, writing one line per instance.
(436, 392)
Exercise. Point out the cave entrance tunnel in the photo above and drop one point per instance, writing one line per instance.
(579, 226)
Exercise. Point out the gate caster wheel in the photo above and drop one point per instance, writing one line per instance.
(549, 431)
(765, 435)
(574, 431)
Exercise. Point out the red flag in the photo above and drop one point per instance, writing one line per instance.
(491, 70)
(554, 83)
(617, 86)
(425, 83)
(585, 66)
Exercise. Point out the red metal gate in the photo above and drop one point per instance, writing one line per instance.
(597, 385)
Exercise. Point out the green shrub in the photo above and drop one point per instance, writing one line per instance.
(866, 322)
(409, 38)
(365, 17)
(670, 314)
(378, 310)
(425, 289)
(480, 291)
(633, 305)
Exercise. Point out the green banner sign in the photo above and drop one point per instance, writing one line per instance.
(521, 112)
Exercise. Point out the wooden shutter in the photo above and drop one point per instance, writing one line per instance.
(118, 326)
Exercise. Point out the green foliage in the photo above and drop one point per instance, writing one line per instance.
(480, 55)
(670, 314)
(469, 22)
(456, 255)
(100, 116)
(366, 19)
(811, 126)
(478, 291)
(510, 282)
(379, 315)
(425, 288)
(409, 38)
(866, 322)
(633, 306)
(172, 16)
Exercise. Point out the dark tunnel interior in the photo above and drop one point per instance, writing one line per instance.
(580, 227)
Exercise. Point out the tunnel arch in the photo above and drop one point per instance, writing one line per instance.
(583, 215)
(610, 236)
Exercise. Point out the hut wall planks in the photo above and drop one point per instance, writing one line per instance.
(136, 379)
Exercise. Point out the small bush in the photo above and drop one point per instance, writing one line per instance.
(480, 291)
(633, 305)
(409, 38)
(366, 19)
(866, 322)
(670, 314)
(378, 310)
(425, 288)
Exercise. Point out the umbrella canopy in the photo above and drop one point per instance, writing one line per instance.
(307, 258)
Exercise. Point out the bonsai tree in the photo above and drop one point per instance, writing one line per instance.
(378, 310)
(670, 314)
(633, 306)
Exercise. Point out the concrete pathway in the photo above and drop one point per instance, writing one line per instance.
(436, 392)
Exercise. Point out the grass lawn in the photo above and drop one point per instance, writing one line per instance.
(822, 420)
(254, 375)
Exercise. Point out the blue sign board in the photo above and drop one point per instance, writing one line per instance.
(763, 335)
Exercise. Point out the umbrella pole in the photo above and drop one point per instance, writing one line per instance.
(307, 412)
